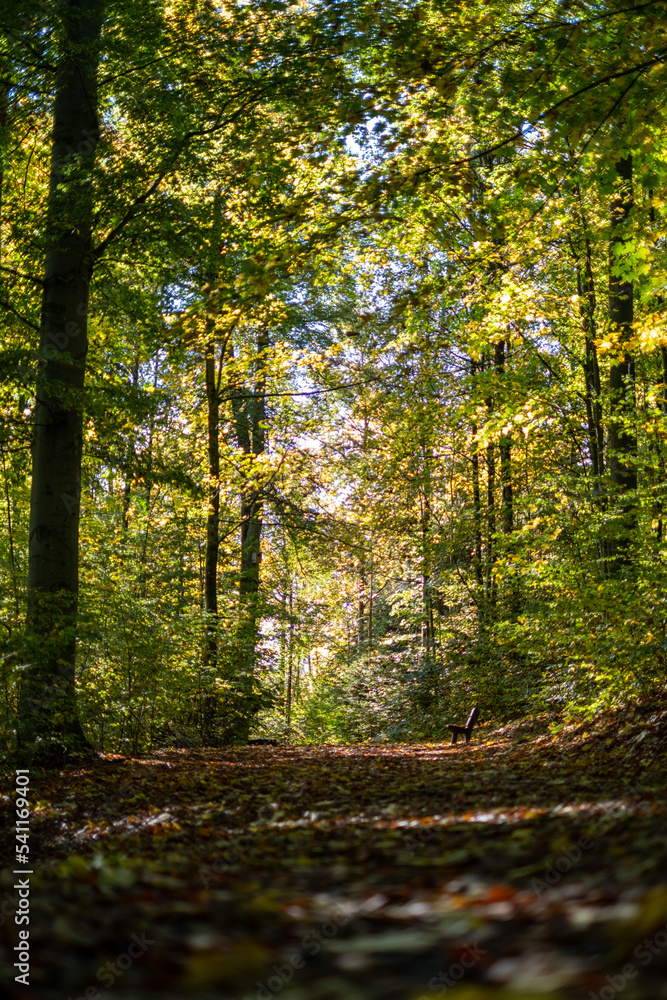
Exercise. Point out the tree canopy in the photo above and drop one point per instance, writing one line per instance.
(334, 367)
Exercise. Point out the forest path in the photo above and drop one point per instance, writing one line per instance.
(522, 865)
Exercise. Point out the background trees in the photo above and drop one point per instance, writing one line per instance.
(372, 415)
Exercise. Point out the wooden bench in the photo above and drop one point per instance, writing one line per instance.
(466, 730)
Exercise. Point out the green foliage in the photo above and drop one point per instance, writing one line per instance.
(386, 231)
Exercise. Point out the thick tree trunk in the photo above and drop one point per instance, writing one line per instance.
(47, 707)
(622, 438)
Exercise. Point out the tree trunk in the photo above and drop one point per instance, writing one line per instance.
(361, 606)
(587, 307)
(477, 511)
(489, 578)
(427, 637)
(250, 419)
(47, 705)
(662, 406)
(490, 525)
(4, 122)
(130, 457)
(477, 522)
(370, 611)
(505, 448)
(622, 438)
(213, 516)
(290, 663)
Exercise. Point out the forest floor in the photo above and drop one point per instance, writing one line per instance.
(527, 863)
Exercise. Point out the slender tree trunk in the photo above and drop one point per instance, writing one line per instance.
(657, 448)
(370, 611)
(10, 533)
(490, 583)
(622, 438)
(477, 512)
(47, 706)
(427, 639)
(251, 434)
(477, 522)
(592, 369)
(209, 700)
(489, 579)
(4, 122)
(662, 406)
(250, 419)
(587, 306)
(361, 607)
(147, 469)
(130, 460)
(505, 448)
(658, 507)
(290, 662)
(213, 516)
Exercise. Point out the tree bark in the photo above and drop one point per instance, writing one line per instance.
(361, 606)
(290, 664)
(250, 420)
(490, 589)
(477, 522)
(47, 705)
(662, 406)
(213, 515)
(621, 438)
(505, 448)
(477, 511)
(490, 526)
(130, 457)
(582, 253)
(427, 635)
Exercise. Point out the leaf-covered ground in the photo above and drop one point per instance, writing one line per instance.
(525, 864)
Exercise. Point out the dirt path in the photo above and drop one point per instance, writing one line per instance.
(525, 864)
